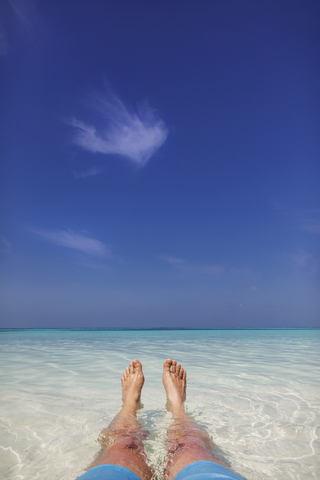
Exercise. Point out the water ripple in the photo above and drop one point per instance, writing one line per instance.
(256, 393)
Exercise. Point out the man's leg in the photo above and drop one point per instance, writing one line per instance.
(187, 441)
(121, 441)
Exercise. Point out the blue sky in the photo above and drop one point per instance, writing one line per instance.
(159, 163)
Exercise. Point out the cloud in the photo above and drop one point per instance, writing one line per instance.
(89, 173)
(29, 22)
(22, 9)
(304, 262)
(189, 267)
(27, 15)
(5, 246)
(134, 135)
(172, 260)
(312, 226)
(301, 259)
(306, 219)
(75, 241)
(21, 24)
(213, 270)
(208, 269)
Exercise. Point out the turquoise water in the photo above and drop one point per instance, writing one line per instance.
(256, 392)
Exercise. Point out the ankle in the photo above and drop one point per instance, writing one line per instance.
(177, 410)
(129, 407)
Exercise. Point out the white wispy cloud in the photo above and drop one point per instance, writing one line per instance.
(88, 173)
(75, 241)
(306, 219)
(29, 22)
(189, 267)
(136, 135)
(177, 262)
(312, 226)
(5, 246)
(301, 259)
(304, 262)
(22, 9)
(28, 15)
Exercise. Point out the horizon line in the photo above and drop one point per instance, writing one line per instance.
(156, 328)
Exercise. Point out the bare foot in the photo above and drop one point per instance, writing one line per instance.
(132, 382)
(175, 383)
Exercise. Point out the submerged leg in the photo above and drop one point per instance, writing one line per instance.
(187, 441)
(121, 442)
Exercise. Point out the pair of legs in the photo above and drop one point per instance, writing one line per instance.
(121, 442)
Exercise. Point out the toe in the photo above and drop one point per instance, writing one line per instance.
(167, 364)
(131, 367)
(137, 365)
(174, 366)
(178, 369)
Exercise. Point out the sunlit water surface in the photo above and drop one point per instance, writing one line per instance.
(256, 392)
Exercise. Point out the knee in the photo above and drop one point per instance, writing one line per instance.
(128, 442)
(186, 443)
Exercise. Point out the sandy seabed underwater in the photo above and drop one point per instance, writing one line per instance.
(256, 392)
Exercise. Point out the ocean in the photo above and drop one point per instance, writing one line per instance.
(256, 392)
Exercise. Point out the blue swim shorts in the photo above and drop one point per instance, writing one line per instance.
(201, 470)
(108, 472)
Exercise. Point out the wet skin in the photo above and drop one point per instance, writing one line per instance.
(121, 442)
(187, 442)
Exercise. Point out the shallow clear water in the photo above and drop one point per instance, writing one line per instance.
(256, 392)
